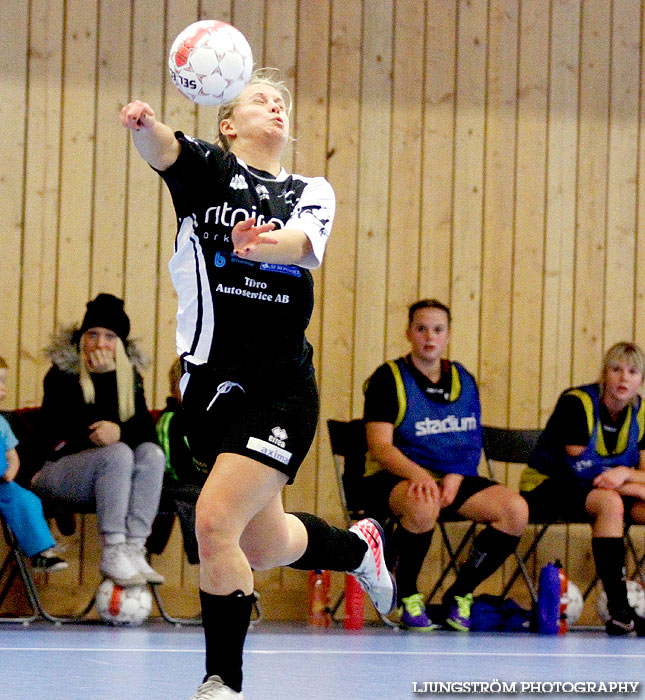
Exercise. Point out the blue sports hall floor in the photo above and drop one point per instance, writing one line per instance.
(159, 662)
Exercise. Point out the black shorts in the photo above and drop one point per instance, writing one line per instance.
(563, 499)
(378, 488)
(272, 424)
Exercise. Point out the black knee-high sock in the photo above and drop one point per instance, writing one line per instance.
(225, 619)
(489, 551)
(410, 550)
(329, 547)
(609, 556)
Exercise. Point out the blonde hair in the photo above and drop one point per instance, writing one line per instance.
(260, 76)
(124, 381)
(621, 352)
(3, 363)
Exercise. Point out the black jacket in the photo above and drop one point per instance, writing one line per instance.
(65, 417)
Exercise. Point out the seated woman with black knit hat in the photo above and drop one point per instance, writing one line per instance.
(100, 438)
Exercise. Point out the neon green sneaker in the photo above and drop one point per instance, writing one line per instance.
(459, 614)
(414, 616)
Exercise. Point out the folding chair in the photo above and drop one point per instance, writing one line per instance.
(454, 552)
(349, 447)
(513, 446)
(160, 536)
(25, 424)
(15, 565)
(166, 616)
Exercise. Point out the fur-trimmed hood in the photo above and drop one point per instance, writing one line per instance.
(63, 351)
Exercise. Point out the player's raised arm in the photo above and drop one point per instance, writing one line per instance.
(154, 140)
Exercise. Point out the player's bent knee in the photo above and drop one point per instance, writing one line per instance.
(419, 511)
(423, 521)
(607, 503)
(418, 517)
(262, 561)
(518, 513)
(264, 554)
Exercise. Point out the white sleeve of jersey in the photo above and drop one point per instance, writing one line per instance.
(314, 214)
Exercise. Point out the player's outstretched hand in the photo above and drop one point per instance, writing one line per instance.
(138, 115)
(247, 236)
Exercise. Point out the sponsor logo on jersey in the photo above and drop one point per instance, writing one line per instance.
(225, 215)
(272, 451)
(582, 464)
(315, 211)
(220, 259)
(282, 269)
(278, 436)
(450, 424)
(288, 196)
(262, 191)
(241, 261)
(435, 391)
(238, 182)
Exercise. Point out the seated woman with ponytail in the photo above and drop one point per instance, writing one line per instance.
(590, 465)
(100, 440)
(424, 434)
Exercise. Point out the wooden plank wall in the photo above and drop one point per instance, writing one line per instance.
(485, 152)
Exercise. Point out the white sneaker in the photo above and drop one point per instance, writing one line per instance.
(116, 565)
(137, 554)
(214, 689)
(372, 574)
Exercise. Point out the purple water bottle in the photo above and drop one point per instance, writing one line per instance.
(548, 605)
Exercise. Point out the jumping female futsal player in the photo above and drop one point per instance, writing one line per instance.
(247, 233)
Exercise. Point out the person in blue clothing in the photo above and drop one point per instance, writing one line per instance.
(22, 509)
(423, 427)
(589, 464)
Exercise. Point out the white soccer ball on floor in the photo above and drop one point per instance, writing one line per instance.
(210, 62)
(572, 603)
(635, 596)
(123, 606)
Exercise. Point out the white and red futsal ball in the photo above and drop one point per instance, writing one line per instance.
(572, 603)
(210, 62)
(123, 606)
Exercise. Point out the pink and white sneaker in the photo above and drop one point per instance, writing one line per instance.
(372, 574)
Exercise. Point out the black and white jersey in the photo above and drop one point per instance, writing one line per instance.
(234, 313)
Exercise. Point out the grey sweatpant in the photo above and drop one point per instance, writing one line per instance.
(121, 484)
